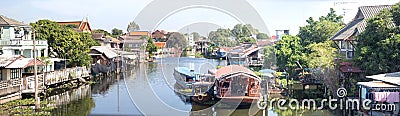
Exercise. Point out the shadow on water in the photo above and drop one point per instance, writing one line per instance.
(144, 88)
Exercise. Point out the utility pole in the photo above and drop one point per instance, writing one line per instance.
(37, 99)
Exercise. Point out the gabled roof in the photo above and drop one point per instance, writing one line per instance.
(81, 24)
(24, 62)
(347, 31)
(5, 21)
(359, 22)
(232, 69)
(368, 12)
(6, 60)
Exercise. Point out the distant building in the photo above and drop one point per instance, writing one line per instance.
(107, 40)
(159, 36)
(280, 33)
(138, 34)
(16, 39)
(190, 39)
(82, 26)
(346, 37)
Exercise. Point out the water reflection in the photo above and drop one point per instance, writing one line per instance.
(148, 89)
(72, 102)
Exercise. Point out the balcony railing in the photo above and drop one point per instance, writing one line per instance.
(22, 42)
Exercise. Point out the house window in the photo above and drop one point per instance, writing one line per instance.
(16, 73)
(17, 52)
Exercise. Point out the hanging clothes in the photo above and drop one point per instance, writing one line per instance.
(393, 97)
(380, 96)
(364, 93)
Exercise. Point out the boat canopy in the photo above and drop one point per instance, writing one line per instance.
(234, 70)
(185, 71)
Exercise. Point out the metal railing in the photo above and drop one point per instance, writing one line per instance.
(22, 42)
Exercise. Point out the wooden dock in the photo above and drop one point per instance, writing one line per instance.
(13, 89)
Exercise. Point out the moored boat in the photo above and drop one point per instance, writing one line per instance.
(235, 83)
(185, 77)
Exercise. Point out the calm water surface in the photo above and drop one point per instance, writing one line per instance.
(148, 89)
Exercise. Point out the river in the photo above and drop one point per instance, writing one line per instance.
(148, 89)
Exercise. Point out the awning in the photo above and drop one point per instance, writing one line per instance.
(389, 78)
(377, 84)
(105, 50)
(24, 62)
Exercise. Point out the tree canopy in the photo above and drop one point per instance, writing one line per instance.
(116, 32)
(151, 47)
(289, 51)
(311, 47)
(243, 33)
(176, 40)
(106, 33)
(132, 26)
(65, 42)
(221, 37)
(378, 48)
(321, 30)
(262, 36)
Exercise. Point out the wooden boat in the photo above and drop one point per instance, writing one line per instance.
(185, 77)
(202, 90)
(235, 83)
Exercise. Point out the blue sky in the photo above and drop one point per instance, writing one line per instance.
(108, 14)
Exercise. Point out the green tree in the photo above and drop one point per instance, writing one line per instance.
(116, 32)
(396, 13)
(377, 50)
(151, 47)
(289, 51)
(322, 30)
(106, 33)
(72, 26)
(262, 36)
(269, 57)
(176, 40)
(322, 55)
(65, 42)
(243, 33)
(220, 37)
(132, 26)
(196, 36)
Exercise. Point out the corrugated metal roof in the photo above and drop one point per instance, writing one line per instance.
(6, 60)
(106, 51)
(377, 84)
(393, 78)
(23, 63)
(359, 23)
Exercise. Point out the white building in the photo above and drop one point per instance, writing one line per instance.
(16, 39)
(191, 40)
